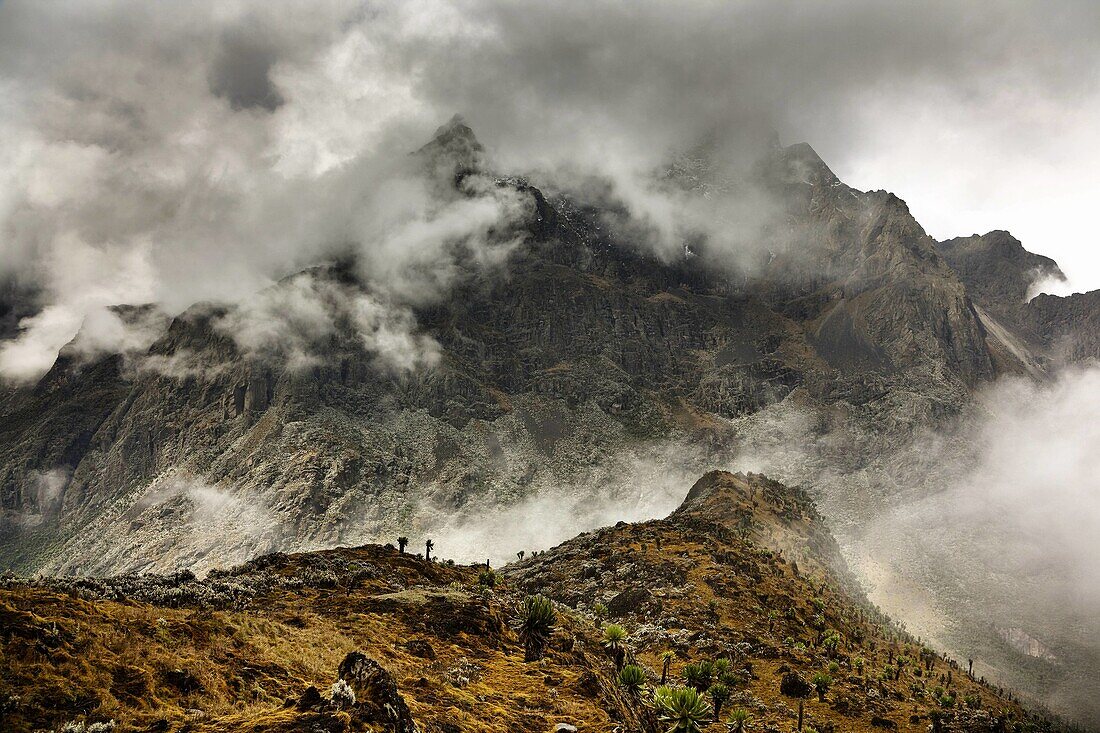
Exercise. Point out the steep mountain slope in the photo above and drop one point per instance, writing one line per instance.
(744, 571)
(578, 347)
(868, 280)
(1070, 325)
(999, 273)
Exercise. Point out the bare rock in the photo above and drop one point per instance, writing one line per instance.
(792, 685)
(629, 601)
(377, 700)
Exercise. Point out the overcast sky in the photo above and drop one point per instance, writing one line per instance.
(171, 152)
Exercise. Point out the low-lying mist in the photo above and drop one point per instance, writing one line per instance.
(640, 483)
(1000, 549)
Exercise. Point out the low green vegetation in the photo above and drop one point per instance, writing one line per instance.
(487, 578)
(614, 636)
(719, 695)
(537, 622)
(821, 682)
(698, 675)
(632, 678)
(681, 709)
(739, 720)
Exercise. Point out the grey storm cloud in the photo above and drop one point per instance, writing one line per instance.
(241, 72)
(169, 153)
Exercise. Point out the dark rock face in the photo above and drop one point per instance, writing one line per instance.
(1070, 325)
(632, 600)
(999, 275)
(453, 150)
(310, 699)
(17, 301)
(998, 271)
(865, 279)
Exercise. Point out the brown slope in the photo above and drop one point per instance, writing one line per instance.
(744, 571)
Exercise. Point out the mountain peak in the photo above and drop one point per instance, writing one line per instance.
(806, 165)
(709, 484)
(997, 260)
(453, 149)
(796, 164)
(454, 127)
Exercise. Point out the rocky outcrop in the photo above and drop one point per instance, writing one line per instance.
(377, 700)
(1043, 331)
(867, 281)
(792, 685)
(998, 272)
(1070, 325)
(1000, 275)
(17, 301)
(453, 152)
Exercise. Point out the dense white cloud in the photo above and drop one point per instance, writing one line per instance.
(1015, 494)
(1024, 160)
(293, 319)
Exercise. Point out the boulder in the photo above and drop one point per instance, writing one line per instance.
(792, 685)
(377, 700)
(310, 699)
(630, 600)
(420, 648)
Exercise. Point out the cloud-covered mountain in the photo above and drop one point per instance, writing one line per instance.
(340, 411)
(550, 354)
(244, 307)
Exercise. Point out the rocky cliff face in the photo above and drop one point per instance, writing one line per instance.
(867, 283)
(1000, 275)
(580, 346)
(1070, 325)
